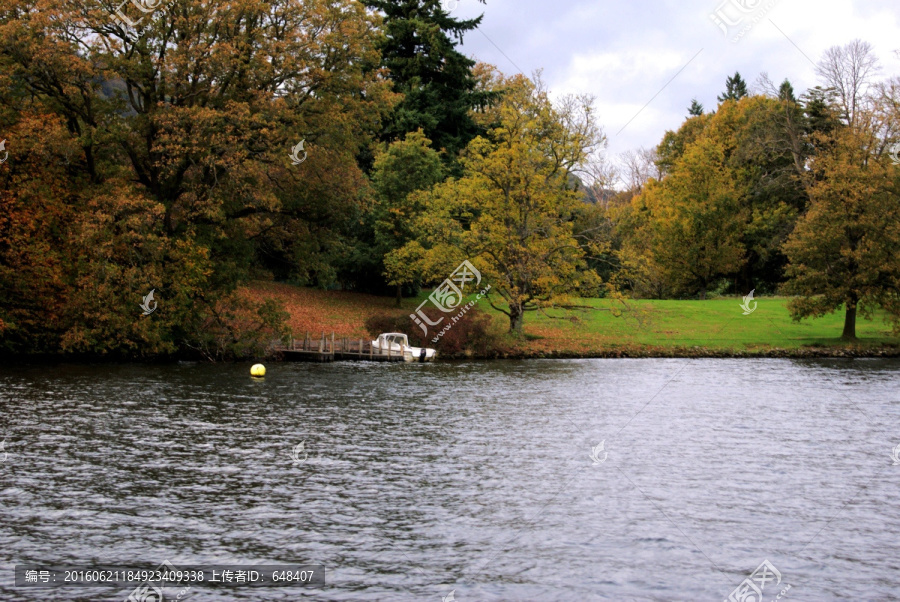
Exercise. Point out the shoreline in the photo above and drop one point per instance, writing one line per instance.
(703, 353)
(849, 352)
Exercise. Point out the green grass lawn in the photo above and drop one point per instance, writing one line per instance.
(717, 324)
(644, 327)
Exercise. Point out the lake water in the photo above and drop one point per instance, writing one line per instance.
(474, 478)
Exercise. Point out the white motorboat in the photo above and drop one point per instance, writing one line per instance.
(397, 344)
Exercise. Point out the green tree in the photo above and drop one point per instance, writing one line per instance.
(760, 154)
(786, 92)
(696, 109)
(406, 166)
(819, 116)
(735, 88)
(436, 80)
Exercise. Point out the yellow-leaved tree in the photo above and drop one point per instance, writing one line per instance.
(512, 213)
(690, 222)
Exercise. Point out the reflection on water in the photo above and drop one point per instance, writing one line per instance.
(478, 477)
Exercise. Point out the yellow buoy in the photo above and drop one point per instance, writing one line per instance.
(258, 370)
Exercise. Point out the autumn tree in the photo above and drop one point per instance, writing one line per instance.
(35, 252)
(184, 122)
(763, 146)
(843, 251)
(674, 143)
(691, 221)
(512, 211)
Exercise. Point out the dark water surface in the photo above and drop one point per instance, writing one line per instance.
(475, 478)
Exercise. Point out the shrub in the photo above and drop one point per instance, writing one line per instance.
(473, 334)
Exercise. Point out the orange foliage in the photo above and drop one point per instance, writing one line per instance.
(315, 310)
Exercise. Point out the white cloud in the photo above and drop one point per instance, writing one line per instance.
(624, 53)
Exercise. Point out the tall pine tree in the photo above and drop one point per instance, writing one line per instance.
(735, 88)
(696, 109)
(786, 92)
(419, 49)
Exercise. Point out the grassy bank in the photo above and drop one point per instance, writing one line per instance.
(714, 327)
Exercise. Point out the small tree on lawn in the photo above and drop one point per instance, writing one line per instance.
(843, 252)
(512, 211)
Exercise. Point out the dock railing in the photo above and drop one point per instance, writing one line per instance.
(329, 349)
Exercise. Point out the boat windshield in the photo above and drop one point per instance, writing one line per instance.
(396, 340)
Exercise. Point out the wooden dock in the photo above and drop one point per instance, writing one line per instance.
(333, 349)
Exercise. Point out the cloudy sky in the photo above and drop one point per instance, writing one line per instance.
(626, 54)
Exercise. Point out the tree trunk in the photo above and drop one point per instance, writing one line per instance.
(850, 319)
(516, 320)
(168, 220)
(746, 278)
(399, 294)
